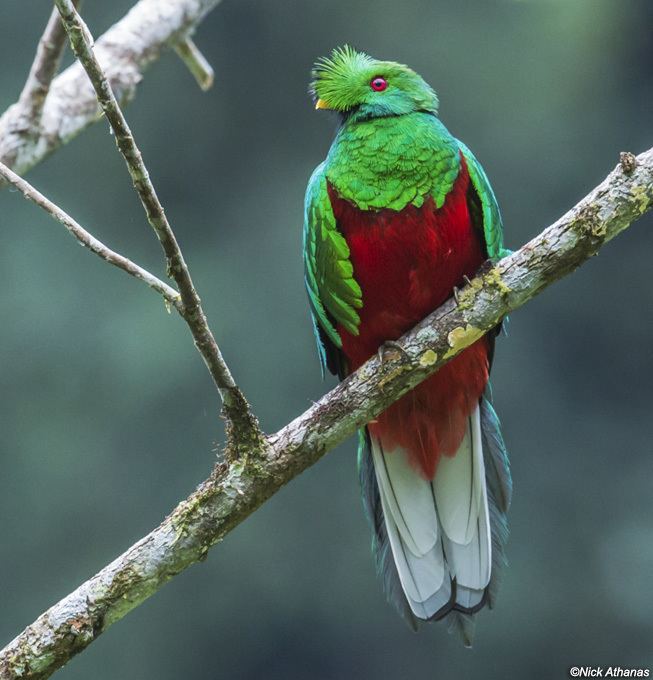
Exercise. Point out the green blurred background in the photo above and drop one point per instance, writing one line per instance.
(108, 417)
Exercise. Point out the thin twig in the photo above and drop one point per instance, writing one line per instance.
(235, 406)
(88, 240)
(234, 491)
(44, 68)
(195, 62)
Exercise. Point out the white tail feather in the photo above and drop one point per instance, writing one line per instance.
(409, 499)
(422, 575)
(439, 531)
(458, 486)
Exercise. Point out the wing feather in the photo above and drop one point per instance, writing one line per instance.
(333, 292)
(492, 224)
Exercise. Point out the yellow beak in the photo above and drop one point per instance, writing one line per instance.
(321, 104)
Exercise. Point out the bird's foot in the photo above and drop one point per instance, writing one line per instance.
(391, 345)
(456, 295)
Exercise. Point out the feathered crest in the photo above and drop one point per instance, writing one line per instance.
(340, 63)
(342, 82)
(334, 75)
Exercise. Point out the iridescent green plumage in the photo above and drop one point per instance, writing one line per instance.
(491, 216)
(396, 218)
(333, 292)
(391, 151)
(393, 161)
(342, 81)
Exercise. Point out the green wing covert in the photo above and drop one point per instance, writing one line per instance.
(333, 292)
(491, 216)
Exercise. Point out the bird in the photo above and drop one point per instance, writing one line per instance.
(396, 218)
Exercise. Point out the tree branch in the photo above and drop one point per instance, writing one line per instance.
(236, 490)
(88, 240)
(124, 51)
(45, 67)
(196, 63)
(243, 428)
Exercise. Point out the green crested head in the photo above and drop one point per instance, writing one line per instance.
(355, 84)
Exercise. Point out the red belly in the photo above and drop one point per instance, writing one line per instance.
(407, 264)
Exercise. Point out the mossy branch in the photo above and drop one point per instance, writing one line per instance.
(233, 491)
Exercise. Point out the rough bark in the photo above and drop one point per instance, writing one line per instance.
(235, 490)
(124, 52)
(44, 69)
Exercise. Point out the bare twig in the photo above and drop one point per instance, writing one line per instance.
(44, 68)
(236, 408)
(88, 240)
(234, 491)
(196, 63)
(124, 51)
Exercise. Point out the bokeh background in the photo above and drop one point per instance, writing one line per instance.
(108, 418)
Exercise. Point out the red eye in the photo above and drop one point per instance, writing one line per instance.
(379, 84)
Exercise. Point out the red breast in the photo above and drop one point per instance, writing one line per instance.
(407, 263)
